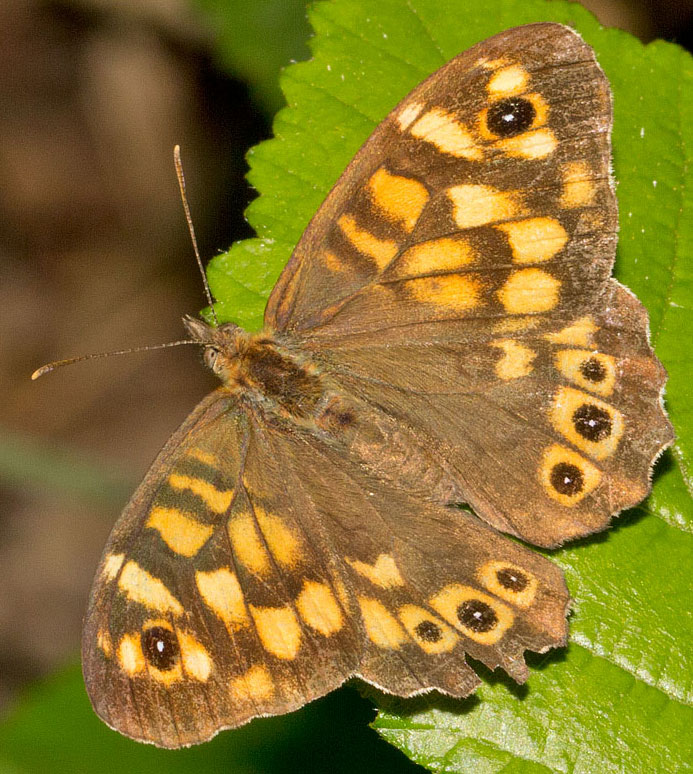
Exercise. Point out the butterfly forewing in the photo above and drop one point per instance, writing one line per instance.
(476, 199)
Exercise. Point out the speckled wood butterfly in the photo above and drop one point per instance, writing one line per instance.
(446, 332)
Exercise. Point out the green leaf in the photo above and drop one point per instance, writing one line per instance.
(255, 38)
(619, 698)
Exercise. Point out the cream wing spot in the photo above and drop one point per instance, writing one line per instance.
(383, 572)
(278, 629)
(528, 291)
(197, 663)
(534, 240)
(491, 64)
(111, 566)
(478, 205)
(181, 532)
(222, 593)
(507, 81)
(130, 656)
(141, 587)
(401, 199)
(104, 642)
(382, 628)
(442, 130)
(516, 360)
(536, 144)
(319, 609)
(408, 114)
(215, 499)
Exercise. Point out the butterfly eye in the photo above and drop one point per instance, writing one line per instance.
(160, 647)
(511, 116)
(210, 356)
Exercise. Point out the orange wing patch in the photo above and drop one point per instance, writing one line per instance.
(437, 255)
(529, 291)
(534, 240)
(278, 629)
(478, 205)
(382, 251)
(401, 199)
(578, 184)
(181, 532)
(516, 360)
(222, 593)
(452, 292)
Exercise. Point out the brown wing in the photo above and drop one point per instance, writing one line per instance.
(483, 198)
(258, 567)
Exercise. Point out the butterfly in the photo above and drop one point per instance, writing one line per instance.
(446, 332)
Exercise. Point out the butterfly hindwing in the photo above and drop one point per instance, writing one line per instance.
(274, 580)
(562, 426)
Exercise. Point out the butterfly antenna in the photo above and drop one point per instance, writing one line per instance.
(191, 229)
(70, 360)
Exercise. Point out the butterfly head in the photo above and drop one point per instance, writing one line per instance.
(222, 344)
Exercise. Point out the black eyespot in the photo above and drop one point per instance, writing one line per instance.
(593, 370)
(592, 422)
(511, 116)
(512, 579)
(428, 631)
(567, 479)
(477, 615)
(160, 647)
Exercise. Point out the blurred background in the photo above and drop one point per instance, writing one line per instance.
(95, 256)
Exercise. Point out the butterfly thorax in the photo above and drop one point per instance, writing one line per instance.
(260, 368)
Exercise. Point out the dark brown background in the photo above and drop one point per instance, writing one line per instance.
(94, 255)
